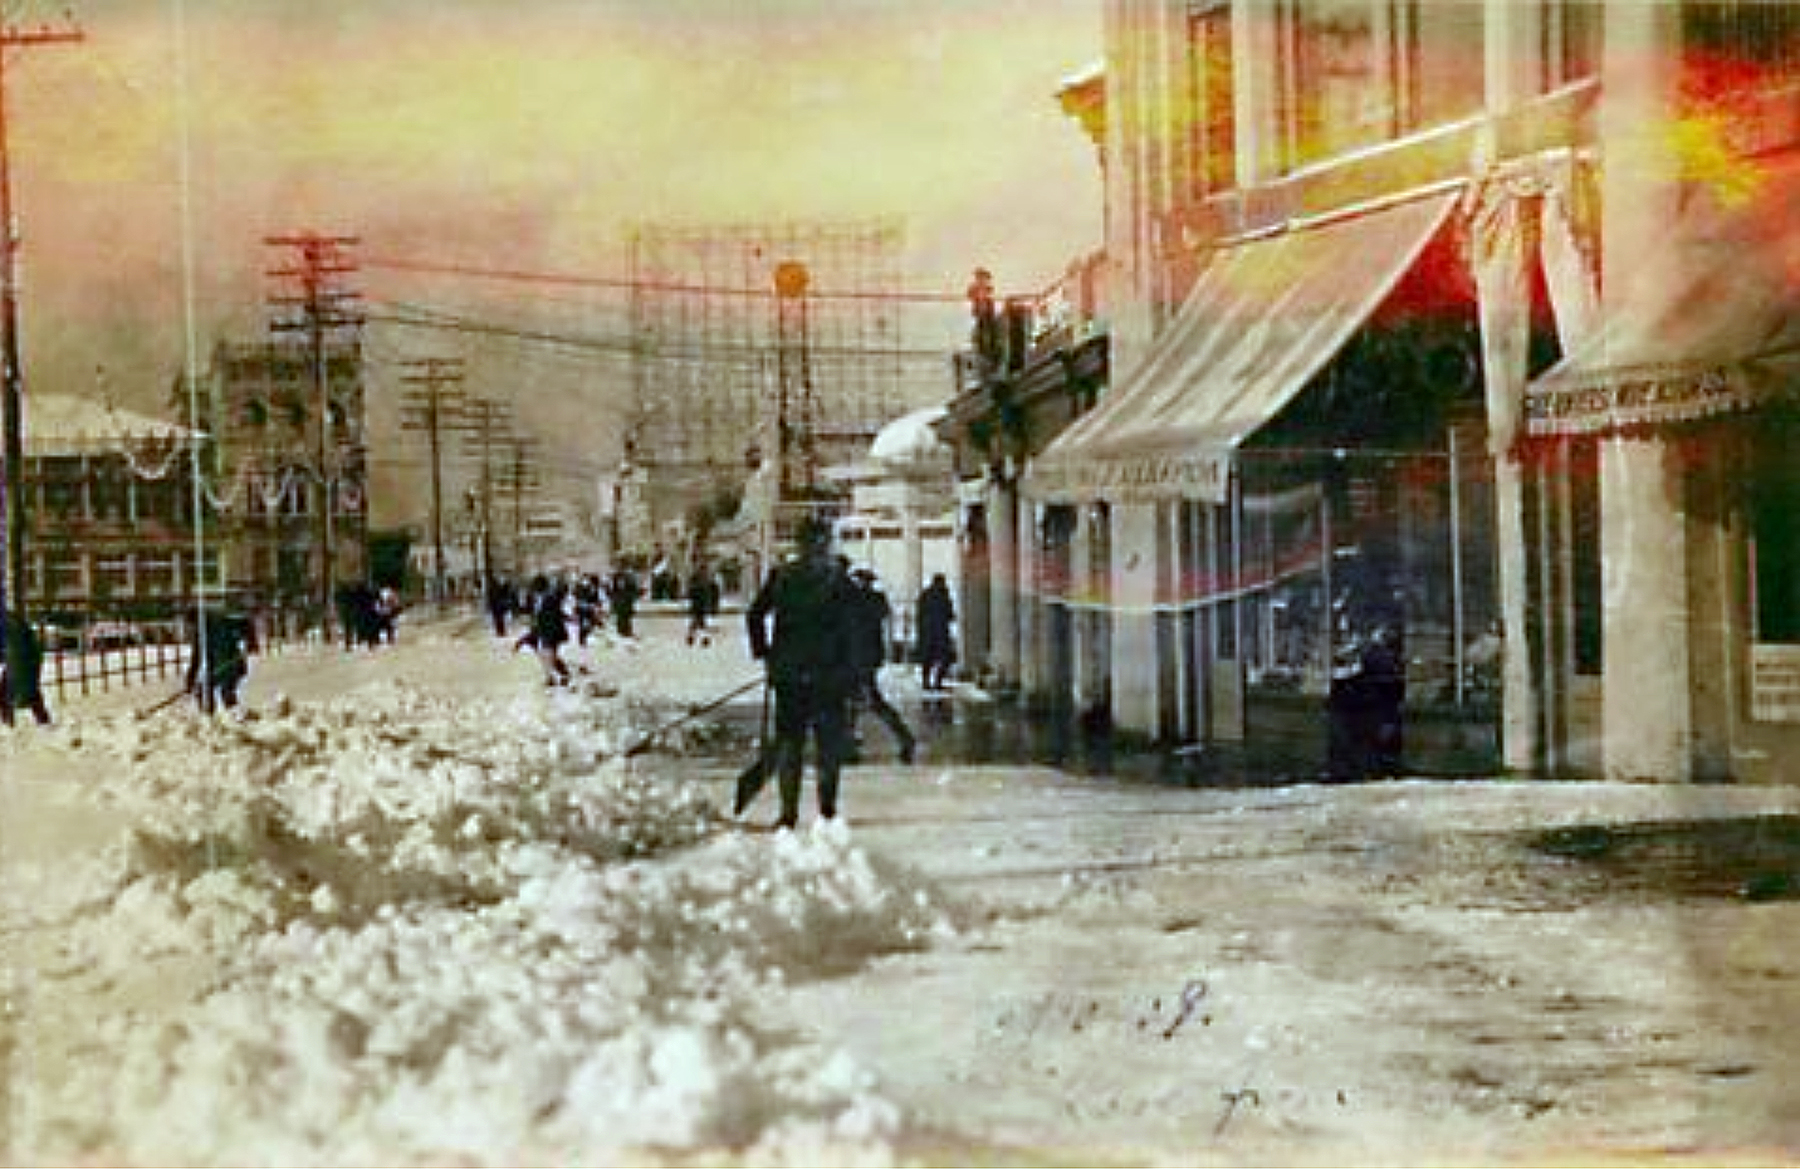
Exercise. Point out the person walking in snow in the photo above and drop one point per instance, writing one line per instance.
(587, 606)
(500, 602)
(387, 615)
(811, 663)
(26, 690)
(622, 594)
(872, 615)
(219, 658)
(703, 602)
(549, 630)
(937, 650)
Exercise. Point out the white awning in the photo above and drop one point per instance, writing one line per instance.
(1706, 323)
(1261, 321)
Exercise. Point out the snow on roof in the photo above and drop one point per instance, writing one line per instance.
(909, 441)
(66, 423)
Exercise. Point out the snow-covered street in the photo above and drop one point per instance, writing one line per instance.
(416, 909)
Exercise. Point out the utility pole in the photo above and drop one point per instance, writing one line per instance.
(12, 375)
(519, 478)
(325, 307)
(486, 425)
(426, 409)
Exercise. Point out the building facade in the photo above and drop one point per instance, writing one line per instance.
(109, 509)
(1420, 315)
(288, 474)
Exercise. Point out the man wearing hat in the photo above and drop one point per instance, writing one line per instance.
(872, 615)
(811, 661)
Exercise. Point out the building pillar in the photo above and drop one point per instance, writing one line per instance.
(1029, 603)
(1134, 662)
(1502, 277)
(1644, 555)
(1649, 672)
(972, 586)
(1003, 582)
(912, 577)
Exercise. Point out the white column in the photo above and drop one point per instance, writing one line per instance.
(1503, 281)
(912, 575)
(1644, 551)
(1134, 666)
(1003, 581)
(1647, 708)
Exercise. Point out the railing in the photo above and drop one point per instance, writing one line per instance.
(83, 657)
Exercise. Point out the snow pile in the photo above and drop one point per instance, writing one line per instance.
(444, 933)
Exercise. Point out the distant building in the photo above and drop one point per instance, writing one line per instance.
(274, 467)
(109, 509)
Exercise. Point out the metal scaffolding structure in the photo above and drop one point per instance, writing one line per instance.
(708, 345)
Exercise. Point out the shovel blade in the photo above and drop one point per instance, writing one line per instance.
(750, 783)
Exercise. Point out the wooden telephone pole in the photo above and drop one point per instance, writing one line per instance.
(324, 307)
(434, 408)
(486, 426)
(12, 376)
(519, 478)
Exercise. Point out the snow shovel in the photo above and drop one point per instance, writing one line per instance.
(751, 780)
(164, 704)
(655, 734)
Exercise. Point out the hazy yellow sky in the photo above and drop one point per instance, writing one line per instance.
(523, 134)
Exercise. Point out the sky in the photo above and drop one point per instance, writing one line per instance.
(522, 136)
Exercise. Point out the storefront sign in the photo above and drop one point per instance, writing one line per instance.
(1775, 683)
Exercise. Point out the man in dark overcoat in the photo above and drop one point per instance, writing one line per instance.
(811, 661)
(26, 690)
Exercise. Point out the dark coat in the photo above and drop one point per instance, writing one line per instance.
(230, 640)
(23, 647)
(548, 625)
(703, 595)
(936, 612)
(872, 613)
(623, 592)
(814, 606)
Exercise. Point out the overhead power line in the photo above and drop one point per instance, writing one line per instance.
(626, 283)
(412, 316)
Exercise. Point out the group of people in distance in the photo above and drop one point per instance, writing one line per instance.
(820, 630)
(551, 605)
(367, 615)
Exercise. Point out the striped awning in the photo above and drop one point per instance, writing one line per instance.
(1263, 318)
